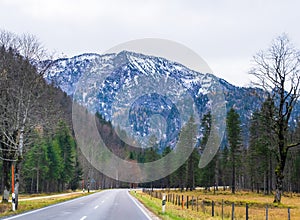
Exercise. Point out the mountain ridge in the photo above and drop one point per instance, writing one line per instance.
(129, 70)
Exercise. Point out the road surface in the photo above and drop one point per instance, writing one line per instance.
(108, 204)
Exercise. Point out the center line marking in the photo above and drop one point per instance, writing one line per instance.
(84, 217)
(96, 207)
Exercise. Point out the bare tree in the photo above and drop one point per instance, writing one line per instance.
(278, 72)
(26, 101)
(26, 45)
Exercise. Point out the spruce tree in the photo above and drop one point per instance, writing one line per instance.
(206, 173)
(261, 148)
(234, 139)
(67, 146)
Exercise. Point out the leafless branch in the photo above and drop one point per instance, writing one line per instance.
(293, 145)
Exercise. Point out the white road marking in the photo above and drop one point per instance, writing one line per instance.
(138, 205)
(41, 209)
(96, 207)
(84, 217)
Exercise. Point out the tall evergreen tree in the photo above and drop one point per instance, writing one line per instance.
(261, 148)
(168, 180)
(234, 139)
(193, 170)
(55, 165)
(206, 173)
(188, 139)
(225, 166)
(36, 166)
(67, 146)
(77, 177)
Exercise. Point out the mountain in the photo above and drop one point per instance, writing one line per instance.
(146, 89)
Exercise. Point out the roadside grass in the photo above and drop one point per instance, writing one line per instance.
(33, 195)
(28, 205)
(172, 212)
(256, 202)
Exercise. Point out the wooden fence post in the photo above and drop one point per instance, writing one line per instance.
(267, 214)
(222, 209)
(212, 208)
(232, 212)
(174, 202)
(192, 202)
(187, 202)
(247, 217)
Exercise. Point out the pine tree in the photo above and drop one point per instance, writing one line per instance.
(206, 173)
(193, 171)
(55, 165)
(77, 177)
(254, 156)
(187, 140)
(67, 149)
(234, 140)
(168, 180)
(36, 166)
(260, 152)
(225, 166)
(151, 154)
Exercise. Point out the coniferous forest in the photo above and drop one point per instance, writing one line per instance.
(36, 134)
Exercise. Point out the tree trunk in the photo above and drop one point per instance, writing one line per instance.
(279, 186)
(5, 180)
(252, 183)
(270, 174)
(17, 180)
(233, 178)
(31, 184)
(37, 180)
(16, 195)
(265, 183)
(217, 174)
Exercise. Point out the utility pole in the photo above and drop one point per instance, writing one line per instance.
(13, 203)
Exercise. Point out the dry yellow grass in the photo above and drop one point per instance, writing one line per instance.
(30, 202)
(257, 204)
(172, 211)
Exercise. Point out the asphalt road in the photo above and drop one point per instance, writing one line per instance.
(108, 204)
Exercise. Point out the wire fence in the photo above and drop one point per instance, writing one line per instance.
(223, 209)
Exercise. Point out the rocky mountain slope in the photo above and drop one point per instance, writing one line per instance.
(140, 87)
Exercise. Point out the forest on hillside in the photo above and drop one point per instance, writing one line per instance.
(36, 135)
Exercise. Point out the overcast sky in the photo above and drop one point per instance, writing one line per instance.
(226, 34)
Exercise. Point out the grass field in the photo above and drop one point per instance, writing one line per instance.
(256, 202)
(35, 201)
(172, 211)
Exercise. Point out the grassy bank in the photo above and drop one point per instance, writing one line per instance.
(36, 201)
(200, 205)
(172, 211)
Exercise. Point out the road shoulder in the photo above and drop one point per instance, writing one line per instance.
(145, 209)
